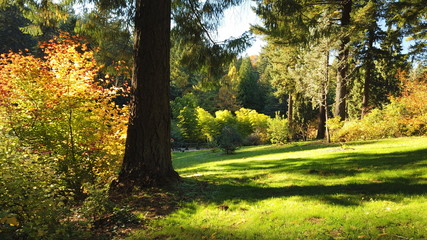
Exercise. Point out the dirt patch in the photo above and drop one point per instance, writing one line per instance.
(135, 212)
(316, 220)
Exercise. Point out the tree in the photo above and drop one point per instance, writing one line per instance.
(343, 67)
(282, 58)
(250, 91)
(289, 22)
(11, 36)
(147, 160)
(409, 17)
(228, 92)
(46, 16)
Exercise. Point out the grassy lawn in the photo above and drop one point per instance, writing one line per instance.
(361, 190)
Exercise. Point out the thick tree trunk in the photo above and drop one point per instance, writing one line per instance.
(341, 90)
(147, 161)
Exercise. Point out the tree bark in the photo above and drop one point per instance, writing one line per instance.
(290, 108)
(147, 160)
(321, 128)
(341, 90)
(368, 71)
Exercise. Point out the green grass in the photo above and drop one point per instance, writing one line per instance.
(363, 190)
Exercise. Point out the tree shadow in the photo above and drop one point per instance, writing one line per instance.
(341, 194)
(217, 188)
(341, 164)
(246, 152)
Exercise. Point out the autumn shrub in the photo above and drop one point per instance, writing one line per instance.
(403, 116)
(58, 107)
(377, 124)
(278, 130)
(414, 99)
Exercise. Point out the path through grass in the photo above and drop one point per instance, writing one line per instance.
(363, 190)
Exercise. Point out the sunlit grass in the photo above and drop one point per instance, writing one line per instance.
(362, 190)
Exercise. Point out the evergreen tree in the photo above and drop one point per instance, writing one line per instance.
(409, 17)
(289, 22)
(46, 16)
(11, 36)
(250, 91)
(147, 160)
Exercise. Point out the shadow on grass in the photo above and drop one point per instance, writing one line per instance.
(338, 165)
(342, 194)
(185, 160)
(218, 187)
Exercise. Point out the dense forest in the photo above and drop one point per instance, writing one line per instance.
(96, 94)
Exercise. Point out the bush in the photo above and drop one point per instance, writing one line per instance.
(230, 139)
(188, 124)
(188, 100)
(252, 126)
(278, 130)
(33, 197)
(225, 118)
(57, 107)
(208, 125)
(404, 116)
(256, 138)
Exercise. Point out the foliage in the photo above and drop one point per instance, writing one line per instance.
(56, 107)
(33, 196)
(225, 118)
(97, 204)
(230, 139)
(187, 122)
(404, 116)
(179, 103)
(279, 130)
(253, 126)
(111, 36)
(208, 125)
(11, 36)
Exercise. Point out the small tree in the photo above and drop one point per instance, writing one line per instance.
(55, 106)
(230, 139)
(278, 130)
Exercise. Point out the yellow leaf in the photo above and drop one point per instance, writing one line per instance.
(11, 220)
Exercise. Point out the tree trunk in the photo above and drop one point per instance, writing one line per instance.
(290, 108)
(321, 128)
(341, 90)
(327, 132)
(147, 161)
(368, 71)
